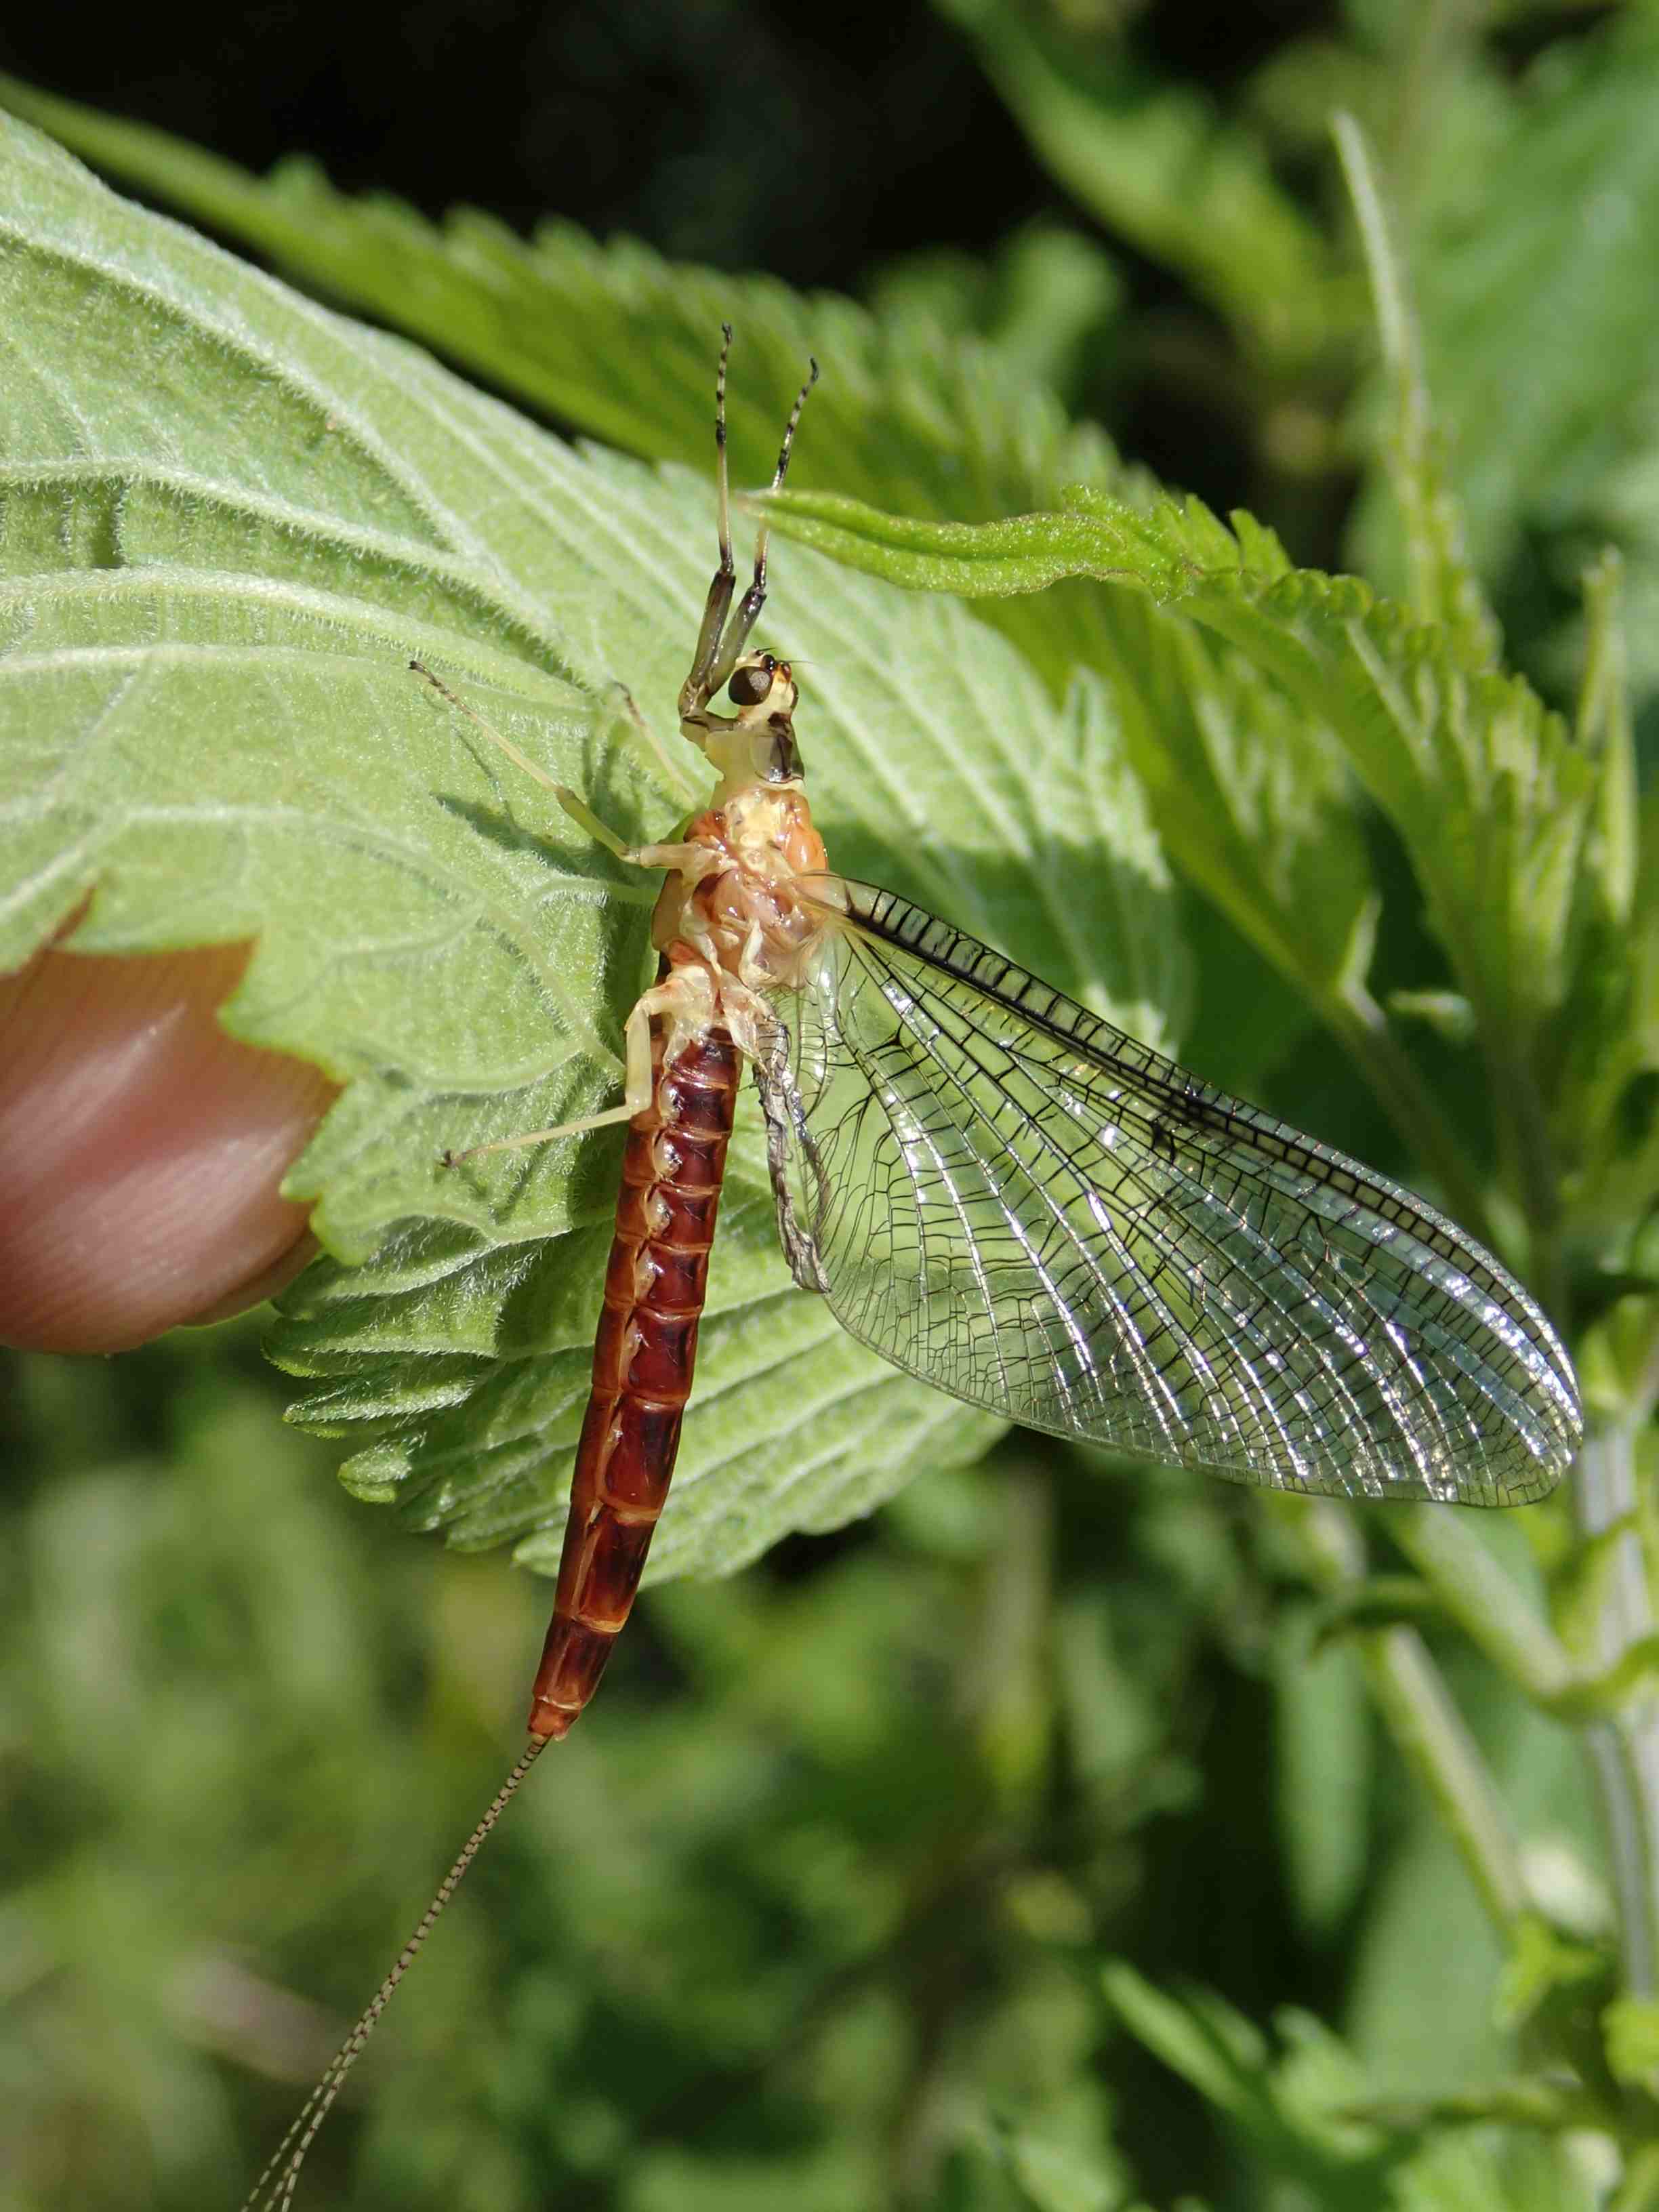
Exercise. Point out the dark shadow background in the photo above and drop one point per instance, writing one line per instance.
(808, 142)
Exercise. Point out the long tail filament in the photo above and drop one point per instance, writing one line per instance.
(276, 2185)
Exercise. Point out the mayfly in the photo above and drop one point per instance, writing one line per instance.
(994, 1189)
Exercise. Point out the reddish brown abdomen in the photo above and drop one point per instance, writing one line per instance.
(642, 1364)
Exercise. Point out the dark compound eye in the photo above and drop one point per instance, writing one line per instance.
(751, 685)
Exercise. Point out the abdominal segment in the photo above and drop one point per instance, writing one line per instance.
(643, 1361)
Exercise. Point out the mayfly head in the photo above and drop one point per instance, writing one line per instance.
(759, 686)
(763, 690)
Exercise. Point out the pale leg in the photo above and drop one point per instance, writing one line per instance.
(601, 832)
(636, 1094)
(576, 807)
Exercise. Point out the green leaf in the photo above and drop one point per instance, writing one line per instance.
(1289, 2106)
(230, 519)
(1374, 1601)
(1522, 2101)
(1483, 783)
(1542, 1966)
(1620, 1360)
(1205, 2041)
(1252, 804)
(1591, 1046)
(1621, 508)
(1305, 2114)
(1604, 733)
(620, 343)
(1467, 1573)
(1545, 268)
(1323, 1760)
(1157, 163)
(1630, 2025)
(1444, 588)
(1050, 2175)
(1638, 2189)
(1607, 1040)
(1534, 258)
(1042, 302)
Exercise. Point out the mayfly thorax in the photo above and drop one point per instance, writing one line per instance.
(995, 1190)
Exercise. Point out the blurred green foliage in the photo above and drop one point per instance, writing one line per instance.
(815, 1906)
(1066, 1837)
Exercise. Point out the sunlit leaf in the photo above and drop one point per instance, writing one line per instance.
(1249, 800)
(231, 519)
(621, 343)
(1532, 258)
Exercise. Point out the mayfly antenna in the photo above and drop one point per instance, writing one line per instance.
(758, 590)
(720, 643)
(722, 487)
(276, 2185)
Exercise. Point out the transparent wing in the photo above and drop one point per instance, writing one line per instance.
(1008, 1197)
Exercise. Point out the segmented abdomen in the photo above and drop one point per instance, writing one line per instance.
(642, 1364)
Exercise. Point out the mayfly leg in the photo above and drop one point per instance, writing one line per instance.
(574, 805)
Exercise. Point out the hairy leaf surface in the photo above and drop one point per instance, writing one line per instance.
(230, 518)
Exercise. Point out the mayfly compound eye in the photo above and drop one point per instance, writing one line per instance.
(749, 686)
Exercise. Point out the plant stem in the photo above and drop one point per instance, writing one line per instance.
(1426, 1726)
(1624, 1750)
(1355, 1017)
(1476, 1593)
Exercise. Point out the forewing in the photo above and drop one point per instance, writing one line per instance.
(1005, 1195)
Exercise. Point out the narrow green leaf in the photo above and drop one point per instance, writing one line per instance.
(1322, 1770)
(1604, 733)
(1207, 2043)
(1444, 587)
(1619, 507)
(1416, 1707)
(1049, 2175)
(1527, 2101)
(1376, 1601)
(1291, 2107)
(1462, 1567)
(1157, 164)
